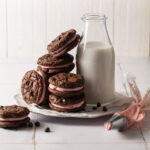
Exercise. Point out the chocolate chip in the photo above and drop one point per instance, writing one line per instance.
(47, 130)
(30, 124)
(104, 108)
(59, 38)
(94, 108)
(98, 104)
(37, 124)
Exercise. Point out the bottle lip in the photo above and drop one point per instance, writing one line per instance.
(93, 16)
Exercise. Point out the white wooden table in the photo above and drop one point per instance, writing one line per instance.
(71, 134)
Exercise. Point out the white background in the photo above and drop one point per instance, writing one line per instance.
(27, 26)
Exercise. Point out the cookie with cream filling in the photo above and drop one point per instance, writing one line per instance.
(66, 84)
(51, 65)
(71, 104)
(63, 43)
(34, 87)
(13, 116)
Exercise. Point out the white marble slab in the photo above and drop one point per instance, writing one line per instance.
(145, 127)
(20, 135)
(16, 147)
(148, 146)
(102, 146)
(82, 131)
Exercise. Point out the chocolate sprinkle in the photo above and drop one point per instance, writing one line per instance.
(98, 104)
(104, 108)
(37, 124)
(83, 109)
(94, 108)
(47, 130)
(30, 124)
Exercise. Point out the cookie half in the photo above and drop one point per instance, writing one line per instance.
(34, 87)
(14, 124)
(51, 65)
(63, 43)
(13, 116)
(66, 84)
(71, 104)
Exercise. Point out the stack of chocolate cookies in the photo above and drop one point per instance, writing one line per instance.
(52, 83)
(66, 92)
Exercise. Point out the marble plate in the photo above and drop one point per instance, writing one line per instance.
(120, 103)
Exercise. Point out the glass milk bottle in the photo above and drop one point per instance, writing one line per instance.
(96, 59)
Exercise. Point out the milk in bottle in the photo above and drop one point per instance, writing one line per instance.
(95, 60)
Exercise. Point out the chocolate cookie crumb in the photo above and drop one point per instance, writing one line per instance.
(98, 104)
(30, 124)
(37, 124)
(104, 108)
(47, 130)
(94, 108)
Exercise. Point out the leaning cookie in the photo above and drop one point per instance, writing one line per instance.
(34, 87)
(63, 43)
(71, 104)
(66, 84)
(51, 65)
(13, 116)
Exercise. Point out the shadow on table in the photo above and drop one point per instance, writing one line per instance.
(129, 135)
(74, 121)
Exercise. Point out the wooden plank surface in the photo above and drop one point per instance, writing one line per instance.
(132, 27)
(20, 28)
(27, 26)
(120, 28)
(108, 8)
(3, 28)
(138, 27)
(39, 27)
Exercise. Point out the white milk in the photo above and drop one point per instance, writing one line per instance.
(96, 64)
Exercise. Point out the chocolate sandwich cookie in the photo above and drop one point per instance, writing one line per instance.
(63, 43)
(66, 84)
(51, 65)
(70, 104)
(13, 116)
(34, 87)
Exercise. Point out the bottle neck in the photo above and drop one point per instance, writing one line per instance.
(95, 30)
